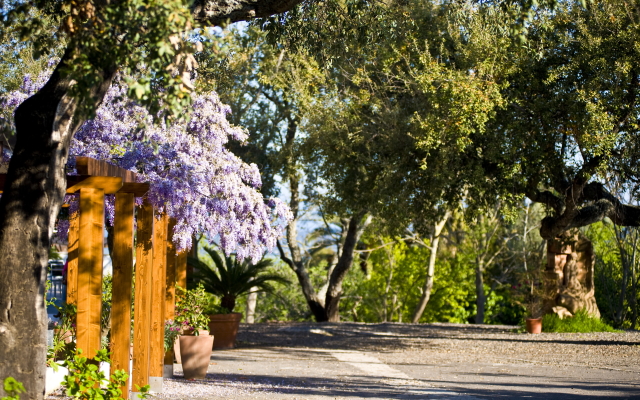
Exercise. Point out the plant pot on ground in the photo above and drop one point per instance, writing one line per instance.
(225, 329)
(195, 351)
(533, 323)
(229, 278)
(190, 322)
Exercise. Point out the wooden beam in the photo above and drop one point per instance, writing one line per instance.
(91, 166)
(122, 261)
(142, 300)
(170, 291)
(109, 184)
(90, 255)
(138, 189)
(72, 258)
(74, 182)
(158, 302)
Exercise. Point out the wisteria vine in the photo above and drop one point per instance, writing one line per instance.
(193, 177)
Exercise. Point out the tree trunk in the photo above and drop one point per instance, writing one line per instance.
(33, 193)
(428, 282)
(252, 299)
(569, 275)
(334, 291)
(480, 295)
(387, 289)
(316, 305)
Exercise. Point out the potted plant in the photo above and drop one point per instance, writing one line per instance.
(533, 323)
(190, 325)
(228, 278)
(64, 333)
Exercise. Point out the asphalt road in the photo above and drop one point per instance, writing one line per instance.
(386, 361)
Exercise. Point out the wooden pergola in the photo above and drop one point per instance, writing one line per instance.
(158, 269)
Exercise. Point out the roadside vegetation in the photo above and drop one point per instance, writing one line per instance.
(579, 323)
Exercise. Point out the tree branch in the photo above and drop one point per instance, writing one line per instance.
(218, 12)
(602, 204)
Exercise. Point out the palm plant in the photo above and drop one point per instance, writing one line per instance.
(230, 278)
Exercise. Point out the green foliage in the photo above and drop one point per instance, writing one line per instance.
(285, 303)
(105, 316)
(171, 332)
(13, 389)
(616, 269)
(190, 309)
(64, 344)
(229, 277)
(85, 380)
(452, 295)
(145, 39)
(580, 322)
(419, 107)
(53, 254)
(388, 286)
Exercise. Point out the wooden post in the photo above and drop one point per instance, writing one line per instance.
(90, 255)
(159, 285)
(181, 280)
(181, 269)
(122, 259)
(170, 294)
(72, 259)
(142, 301)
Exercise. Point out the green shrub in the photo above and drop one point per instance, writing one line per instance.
(581, 322)
(85, 381)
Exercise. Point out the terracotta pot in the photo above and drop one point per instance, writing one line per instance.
(176, 344)
(66, 336)
(225, 328)
(195, 352)
(534, 325)
(176, 350)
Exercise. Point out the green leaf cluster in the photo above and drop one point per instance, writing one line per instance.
(229, 278)
(190, 309)
(85, 380)
(12, 388)
(148, 40)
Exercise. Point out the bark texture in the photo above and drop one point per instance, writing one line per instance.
(33, 194)
(334, 290)
(581, 203)
(569, 275)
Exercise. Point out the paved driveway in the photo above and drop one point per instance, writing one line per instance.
(405, 361)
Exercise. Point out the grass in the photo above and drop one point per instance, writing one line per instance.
(581, 322)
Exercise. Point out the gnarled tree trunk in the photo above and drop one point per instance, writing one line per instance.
(569, 276)
(33, 194)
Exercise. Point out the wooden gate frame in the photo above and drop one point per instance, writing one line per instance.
(157, 271)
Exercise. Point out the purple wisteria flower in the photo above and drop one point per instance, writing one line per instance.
(193, 176)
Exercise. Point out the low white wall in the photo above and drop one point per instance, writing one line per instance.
(53, 380)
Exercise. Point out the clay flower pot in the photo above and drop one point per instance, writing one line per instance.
(533, 325)
(225, 328)
(195, 352)
(65, 336)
